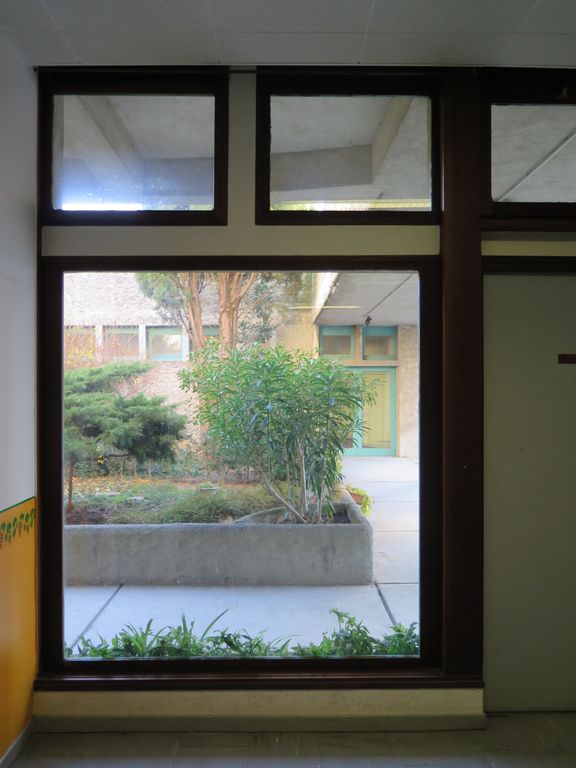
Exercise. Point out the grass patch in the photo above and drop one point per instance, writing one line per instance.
(129, 501)
(197, 506)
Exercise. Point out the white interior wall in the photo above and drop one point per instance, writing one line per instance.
(530, 497)
(17, 277)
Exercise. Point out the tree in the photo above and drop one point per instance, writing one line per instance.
(283, 413)
(246, 302)
(99, 422)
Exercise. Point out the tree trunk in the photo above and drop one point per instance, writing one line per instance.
(71, 466)
(232, 289)
(190, 285)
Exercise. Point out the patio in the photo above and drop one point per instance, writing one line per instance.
(302, 613)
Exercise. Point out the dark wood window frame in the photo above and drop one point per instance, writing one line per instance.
(451, 419)
(238, 672)
(132, 81)
(335, 82)
(551, 87)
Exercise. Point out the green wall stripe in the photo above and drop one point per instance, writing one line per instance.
(30, 498)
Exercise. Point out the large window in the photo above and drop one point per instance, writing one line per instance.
(113, 430)
(219, 490)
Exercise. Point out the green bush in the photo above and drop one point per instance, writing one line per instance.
(283, 413)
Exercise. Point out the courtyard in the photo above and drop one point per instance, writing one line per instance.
(301, 613)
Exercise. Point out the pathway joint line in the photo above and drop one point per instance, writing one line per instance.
(97, 615)
(385, 604)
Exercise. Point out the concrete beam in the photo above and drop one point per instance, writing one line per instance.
(321, 168)
(394, 114)
(110, 160)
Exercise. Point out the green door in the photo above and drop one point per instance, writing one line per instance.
(376, 433)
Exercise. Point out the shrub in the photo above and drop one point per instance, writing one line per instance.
(283, 413)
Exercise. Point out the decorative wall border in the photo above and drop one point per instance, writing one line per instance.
(15, 524)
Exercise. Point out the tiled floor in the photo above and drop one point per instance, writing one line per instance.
(302, 613)
(509, 741)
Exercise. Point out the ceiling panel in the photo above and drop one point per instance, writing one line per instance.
(255, 48)
(541, 51)
(125, 48)
(131, 15)
(440, 50)
(44, 48)
(449, 16)
(26, 15)
(379, 32)
(551, 16)
(290, 15)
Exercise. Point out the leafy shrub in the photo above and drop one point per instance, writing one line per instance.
(351, 638)
(282, 413)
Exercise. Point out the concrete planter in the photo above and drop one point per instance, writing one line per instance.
(200, 554)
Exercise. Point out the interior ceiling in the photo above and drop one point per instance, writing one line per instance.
(247, 32)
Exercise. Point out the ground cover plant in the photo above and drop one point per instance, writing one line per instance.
(115, 500)
(283, 413)
(350, 638)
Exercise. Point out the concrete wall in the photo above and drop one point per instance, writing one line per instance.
(221, 555)
(408, 388)
(17, 393)
(530, 497)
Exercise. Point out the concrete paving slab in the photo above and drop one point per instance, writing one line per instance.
(403, 601)
(396, 557)
(397, 491)
(358, 469)
(395, 516)
(81, 607)
(299, 612)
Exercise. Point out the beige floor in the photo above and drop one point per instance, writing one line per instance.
(509, 741)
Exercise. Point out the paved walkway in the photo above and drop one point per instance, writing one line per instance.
(302, 613)
(393, 484)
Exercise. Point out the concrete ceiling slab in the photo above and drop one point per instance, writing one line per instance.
(389, 298)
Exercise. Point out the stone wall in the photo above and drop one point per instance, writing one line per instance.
(408, 387)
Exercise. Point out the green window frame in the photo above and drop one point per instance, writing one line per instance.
(380, 331)
(337, 330)
(165, 330)
(114, 331)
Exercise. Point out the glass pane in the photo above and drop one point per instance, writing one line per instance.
(378, 346)
(165, 343)
(255, 483)
(534, 153)
(337, 345)
(121, 343)
(350, 153)
(133, 153)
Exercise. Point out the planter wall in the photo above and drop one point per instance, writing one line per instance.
(221, 555)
